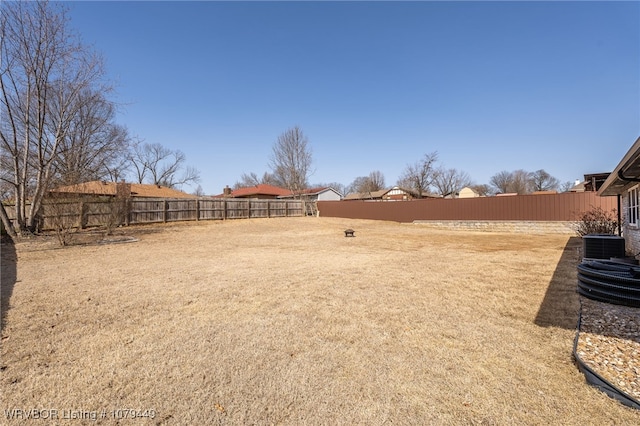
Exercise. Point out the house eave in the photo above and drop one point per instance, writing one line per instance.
(625, 175)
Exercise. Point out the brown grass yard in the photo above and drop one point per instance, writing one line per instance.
(286, 321)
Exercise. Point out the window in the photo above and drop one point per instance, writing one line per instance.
(633, 206)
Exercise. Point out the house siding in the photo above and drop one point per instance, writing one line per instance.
(328, 196)
(467, 193)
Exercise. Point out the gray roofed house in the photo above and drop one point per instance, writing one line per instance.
(317, 194)
(395, 193)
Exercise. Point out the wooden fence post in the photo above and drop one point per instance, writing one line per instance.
(83, 213)
(165, 210)
(197, 209)
(127, 212)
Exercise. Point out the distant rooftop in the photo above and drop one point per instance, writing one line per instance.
(110, 188)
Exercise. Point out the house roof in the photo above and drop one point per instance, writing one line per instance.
(261, 189)
(626, 173)
(411, 192)
(110, 188)
(314, 191)
(578, 187)
(366, 195)
(376, 195)
(593, 181)
(467, 188)
(466, 192)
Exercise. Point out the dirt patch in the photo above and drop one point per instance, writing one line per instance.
(287, 321)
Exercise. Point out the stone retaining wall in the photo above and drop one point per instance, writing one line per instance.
(514, 226)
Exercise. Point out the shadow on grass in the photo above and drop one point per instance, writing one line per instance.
(561, 304)
(8, 275)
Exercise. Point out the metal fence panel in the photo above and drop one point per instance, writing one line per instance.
(534, 207)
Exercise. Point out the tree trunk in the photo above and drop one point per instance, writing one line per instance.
(8, 224)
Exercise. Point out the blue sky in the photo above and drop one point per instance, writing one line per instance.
(490, 86)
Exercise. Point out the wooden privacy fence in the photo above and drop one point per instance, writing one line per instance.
(168, 210)
(83, 212)
(567, 206)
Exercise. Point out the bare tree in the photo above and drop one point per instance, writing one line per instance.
(118, 169)
(137, 161)
(450, 181)
(6, 186)
(522, 182)
(291, 160)
(252, 179)
(419, 176)
(247, 180)
(158, 165)
(358, 185)
(43, 73)
(367, 184)
(543, 181)
(519, 182)
(376, 181)
(199, 192)
(501, 182)
(482, 189)
(94, 147)
(566, 186)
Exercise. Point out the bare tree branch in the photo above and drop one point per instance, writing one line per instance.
(501, 181)
(523, 182)
(94, 147)
(543, 181)
(291, 160)
(450, 181)
(252, 179)
(158, 165)
(44, 73)
(419, 176)
(367, 184)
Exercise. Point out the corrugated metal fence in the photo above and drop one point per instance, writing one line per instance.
(535, 207)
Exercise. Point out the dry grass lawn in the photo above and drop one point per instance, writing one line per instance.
(286, 321)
